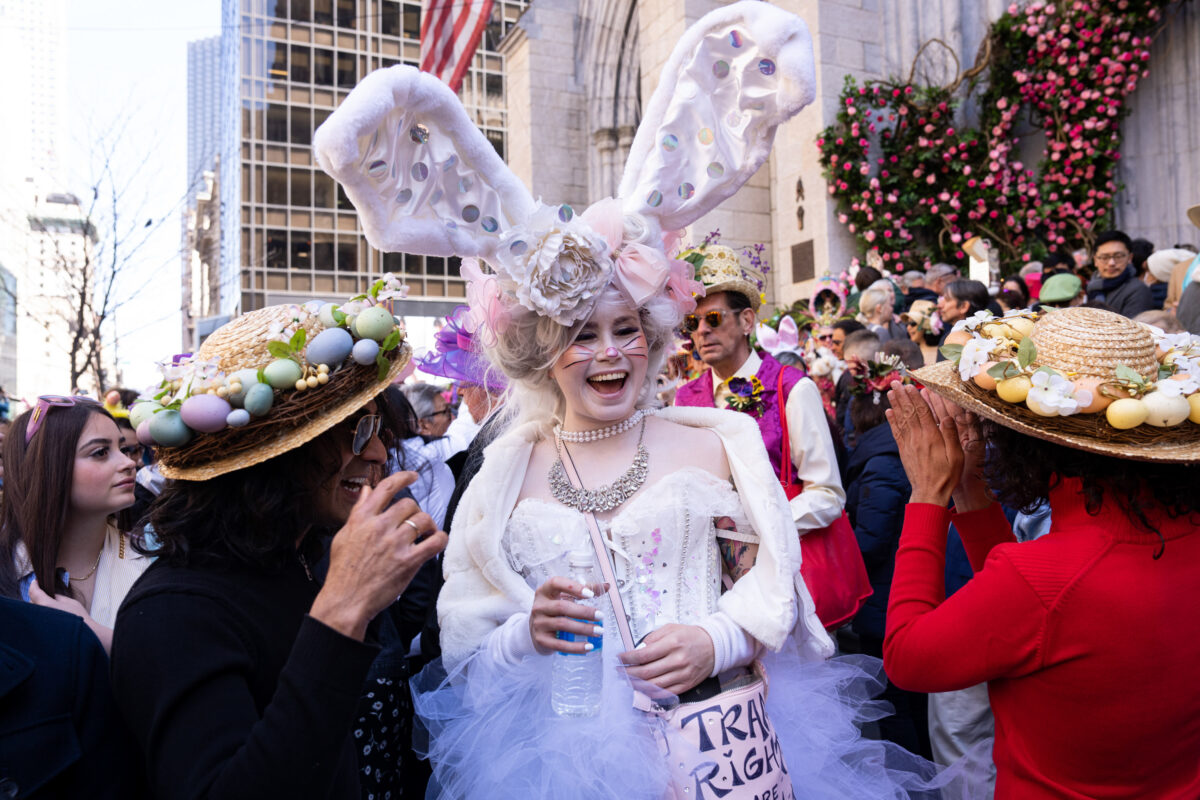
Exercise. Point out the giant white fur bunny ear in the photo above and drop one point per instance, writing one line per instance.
(735, 75)
(422, 176)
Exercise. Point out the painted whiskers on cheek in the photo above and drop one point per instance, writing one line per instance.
(579, 354)
(635, 346)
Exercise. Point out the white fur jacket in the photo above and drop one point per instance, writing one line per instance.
(482, 591)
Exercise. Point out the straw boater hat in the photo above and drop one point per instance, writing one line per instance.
(919, 313)
(228, 430)
(1083, 349)
(723, 270)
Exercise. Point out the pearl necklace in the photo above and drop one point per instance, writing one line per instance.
(576, 437)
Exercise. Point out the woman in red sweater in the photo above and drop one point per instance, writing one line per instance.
(1089, 637)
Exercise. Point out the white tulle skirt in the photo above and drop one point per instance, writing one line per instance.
(489, 732)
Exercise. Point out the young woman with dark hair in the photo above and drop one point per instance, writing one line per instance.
(66, 485)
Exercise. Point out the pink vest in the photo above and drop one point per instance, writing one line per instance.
(699, 392)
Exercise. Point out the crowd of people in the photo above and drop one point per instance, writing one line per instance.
(803, 555)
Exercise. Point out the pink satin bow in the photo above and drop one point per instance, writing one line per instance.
(641, 271)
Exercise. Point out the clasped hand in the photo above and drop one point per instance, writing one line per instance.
(941, 447)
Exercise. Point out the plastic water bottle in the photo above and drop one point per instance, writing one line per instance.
(578, 679)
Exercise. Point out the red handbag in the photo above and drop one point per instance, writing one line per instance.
(832, 565)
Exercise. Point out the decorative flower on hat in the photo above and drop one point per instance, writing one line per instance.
(554, 265)
(973, 322)
(975, 353)
(876, 376)
(1053, 395)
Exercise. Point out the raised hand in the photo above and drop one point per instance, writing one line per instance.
(374, 557)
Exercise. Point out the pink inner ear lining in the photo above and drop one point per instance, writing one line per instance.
(789, 333)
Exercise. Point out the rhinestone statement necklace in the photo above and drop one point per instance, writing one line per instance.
(600, 433)
(606, 498)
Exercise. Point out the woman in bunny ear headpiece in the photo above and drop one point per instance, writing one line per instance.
(668, 505)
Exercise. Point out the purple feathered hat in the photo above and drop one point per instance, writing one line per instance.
(456, 357)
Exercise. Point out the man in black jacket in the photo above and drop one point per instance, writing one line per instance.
(1116, 282)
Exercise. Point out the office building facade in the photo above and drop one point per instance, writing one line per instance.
(288, 233)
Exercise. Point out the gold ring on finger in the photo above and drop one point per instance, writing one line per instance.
(413, 524)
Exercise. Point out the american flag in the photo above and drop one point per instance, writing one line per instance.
(450, 31)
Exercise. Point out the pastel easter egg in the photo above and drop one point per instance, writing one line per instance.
(205, 412)
(1036, 401)
(1099, 401)
(282, 373)
(258, 400)
(237, 418)
(365, 351)
(995, 330)
(245, 377)
(142, 411)
(1166, 411)
(1126, 413)
(1014, 389)
(169, 430)
(1022, 326)
(325, 315)
(330, 347)
(958, 337)
(374, 323)
(1194, 404)
(983, 380)
(143, 434)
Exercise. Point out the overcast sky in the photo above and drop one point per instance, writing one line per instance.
(127, 59)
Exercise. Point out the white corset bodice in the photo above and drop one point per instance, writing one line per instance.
(663, 545)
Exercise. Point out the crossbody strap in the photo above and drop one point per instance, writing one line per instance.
(640, 701)
(785, 466)
(605, 562)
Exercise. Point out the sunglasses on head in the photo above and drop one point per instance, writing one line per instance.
(47, 402)
(714, 318)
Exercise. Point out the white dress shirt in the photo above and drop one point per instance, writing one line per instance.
(813, 455)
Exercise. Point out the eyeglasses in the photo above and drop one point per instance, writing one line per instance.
(47, 402)
(1112, 258)
(447, 411)
(367, 428)
(714, 318)
(825, 337)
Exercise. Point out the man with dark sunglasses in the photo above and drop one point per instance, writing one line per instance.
(720, 332)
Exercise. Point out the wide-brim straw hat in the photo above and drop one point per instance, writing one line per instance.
(1085, 342)
(724, 271)
(295, 417)
(1194, 215)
